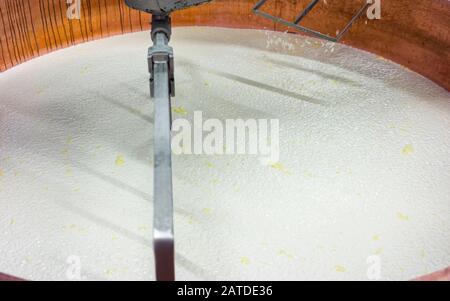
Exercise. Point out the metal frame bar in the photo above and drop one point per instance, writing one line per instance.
(303, 14)
(306, 11)
(160, 60)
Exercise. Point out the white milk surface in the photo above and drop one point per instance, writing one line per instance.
(362, 186)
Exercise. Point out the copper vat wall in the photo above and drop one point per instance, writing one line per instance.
(412, 33)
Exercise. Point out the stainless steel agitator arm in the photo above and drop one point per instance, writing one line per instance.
(162, 87)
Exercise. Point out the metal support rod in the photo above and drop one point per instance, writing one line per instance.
(354, 18)
(163, 233)
(298, 27)
(305, 11)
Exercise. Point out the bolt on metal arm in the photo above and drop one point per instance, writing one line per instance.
(162, 86)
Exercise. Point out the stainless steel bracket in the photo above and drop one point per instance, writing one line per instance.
(160, 51)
